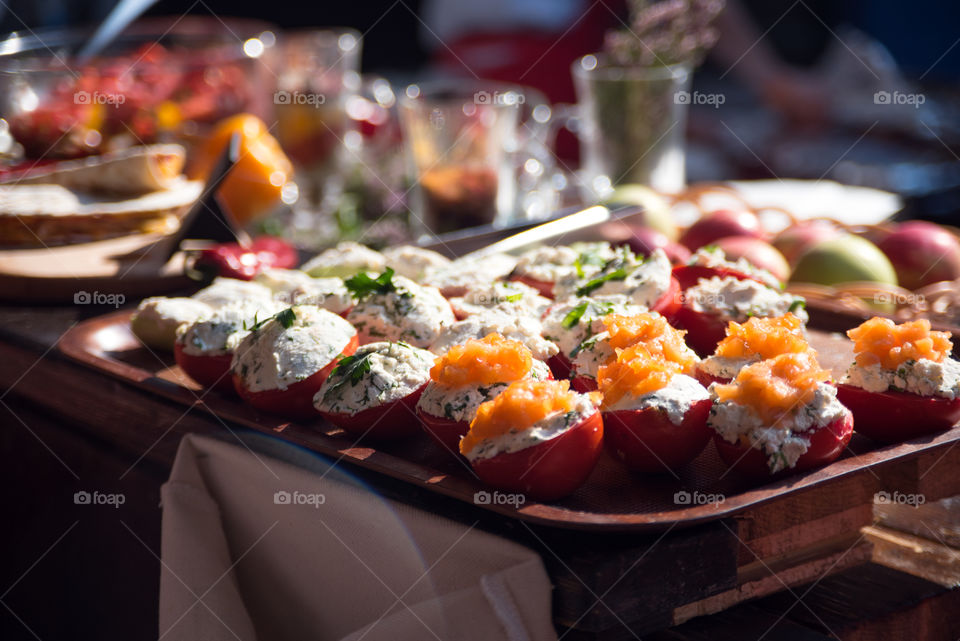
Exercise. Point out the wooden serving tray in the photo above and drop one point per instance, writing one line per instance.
(613, 499)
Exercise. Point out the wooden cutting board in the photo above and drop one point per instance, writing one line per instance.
(129, 266)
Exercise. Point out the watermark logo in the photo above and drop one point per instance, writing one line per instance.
(898, 298)
(498, 98)
(683, 497)
(99, 98)
(704, 300)
(899, 498)
(899, 98)
(98, 498)
(283, 97)
(298, 498)
(698, 98)
(98, 298)
(498, 498)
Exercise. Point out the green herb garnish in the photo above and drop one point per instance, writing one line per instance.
(351, 368)
(598, 282)
(286, 318)
(798, 304)
(513, 298)
(362, 285)
(574, 315)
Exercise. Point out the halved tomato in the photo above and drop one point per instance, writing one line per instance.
(704, 330)
(394, 420)
(297, 400)
(209, 371)
(893, 416)
(670, 302)
(545, 288)
(549, 470)
(690, 275)
(445, 432)
(826, 445)
(647, 441)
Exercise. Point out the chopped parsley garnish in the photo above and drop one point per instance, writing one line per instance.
(513, 298)
(351, 368)
(588, 258)
(285, 318)
(798, 304)
(362, 285)
(598, 282)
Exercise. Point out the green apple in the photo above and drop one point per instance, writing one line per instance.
(656, 214)
(843, 259)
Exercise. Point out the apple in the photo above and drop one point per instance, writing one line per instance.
(758, 253)
(922, 253)
(795, 240)
(656, 212)
(842, 259)
(720, 224)
(643, 240)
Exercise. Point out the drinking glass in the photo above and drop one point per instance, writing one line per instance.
(317, 72)
(468, 146)
(631, 123)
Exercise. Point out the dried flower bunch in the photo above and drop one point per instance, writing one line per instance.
(665, 32)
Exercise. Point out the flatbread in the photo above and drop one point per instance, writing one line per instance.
(129, 172)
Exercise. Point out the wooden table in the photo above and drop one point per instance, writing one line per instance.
(96, 568)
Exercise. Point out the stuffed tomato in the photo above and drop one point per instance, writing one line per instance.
(537, 437)
(543, 267)
(654, 415)
(204, 349)
(570, 323)
(467, 376)
(712, 303)
(509, 297)
(374, 391)
(394, 308)
(779, 416)
(621, 331)
(903, 382)
(711, 262)
(283, 362)
(746, 343)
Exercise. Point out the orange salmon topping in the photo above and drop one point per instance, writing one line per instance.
(764, 337)
(774, 387)
(491, 359)
(636, 371)
(519, 407)
(652, 330)
(880, 340)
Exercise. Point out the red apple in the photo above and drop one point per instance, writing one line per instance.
(794, 241)
(922, 253)
(644, 240)
(758, 253)
(720, 224)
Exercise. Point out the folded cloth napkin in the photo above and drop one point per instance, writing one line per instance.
(258, 548)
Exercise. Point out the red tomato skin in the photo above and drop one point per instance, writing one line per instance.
(704, 331)
(210, 371)
(296, 401)
(705, 378)
(826, 445)
(583, 384)
(891, 416)
(690, 275)
(560, 366)
(646, 441)
(542, 286)
(550, 470)
(443, 431)
(392, 421)
(668, 304)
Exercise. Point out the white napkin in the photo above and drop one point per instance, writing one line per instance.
(254, 547)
